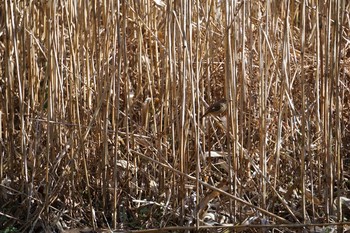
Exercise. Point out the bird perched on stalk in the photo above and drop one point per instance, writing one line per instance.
(216, 108)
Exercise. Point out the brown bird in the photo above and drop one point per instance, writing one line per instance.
(216, 108)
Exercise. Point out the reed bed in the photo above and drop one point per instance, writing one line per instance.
(100, 108)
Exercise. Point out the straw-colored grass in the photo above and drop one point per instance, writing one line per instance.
(100, 105)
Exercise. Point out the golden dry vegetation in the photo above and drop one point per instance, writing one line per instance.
(100, 105)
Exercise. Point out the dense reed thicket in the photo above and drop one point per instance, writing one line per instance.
(100, 105)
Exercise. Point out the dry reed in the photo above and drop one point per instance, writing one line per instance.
(100, 104)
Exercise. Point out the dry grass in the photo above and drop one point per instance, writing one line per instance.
(100, 104)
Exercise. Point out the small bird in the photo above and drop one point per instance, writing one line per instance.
(216, 108)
